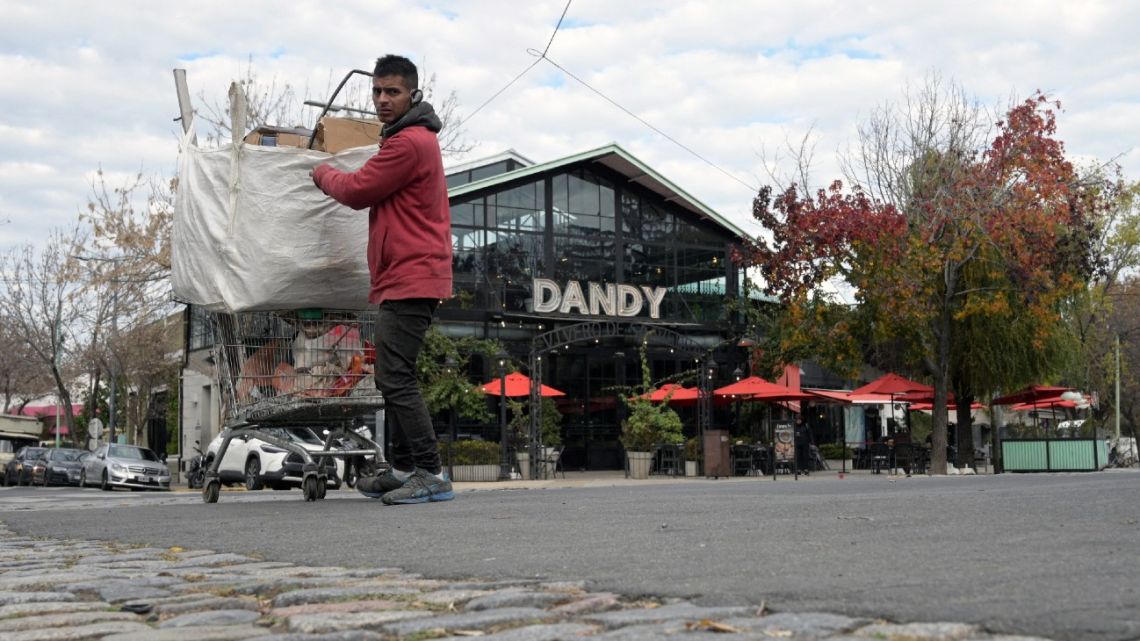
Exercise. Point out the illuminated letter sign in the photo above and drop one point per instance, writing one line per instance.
(597, 299)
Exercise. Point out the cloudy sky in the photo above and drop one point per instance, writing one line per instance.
(89, 85)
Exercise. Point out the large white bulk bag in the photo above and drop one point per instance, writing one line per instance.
(252, 232)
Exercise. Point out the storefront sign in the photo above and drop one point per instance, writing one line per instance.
(785, 443)
(605, 299)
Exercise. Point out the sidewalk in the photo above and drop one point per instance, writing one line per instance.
(617, 478)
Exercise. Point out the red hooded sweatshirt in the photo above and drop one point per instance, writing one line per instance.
(409, 222)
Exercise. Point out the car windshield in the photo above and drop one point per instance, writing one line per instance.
(294, 434)
(34, 452)
(66, 455)
(133, 453)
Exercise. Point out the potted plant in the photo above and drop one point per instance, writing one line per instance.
(692, 456)
(647, 425)
(472, 460)
(549, 432)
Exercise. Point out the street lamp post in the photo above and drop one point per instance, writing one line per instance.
(114, 370)
(704, 408)
(737, 374)
(449, 366)
(504, 462)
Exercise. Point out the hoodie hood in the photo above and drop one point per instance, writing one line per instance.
(420, 115)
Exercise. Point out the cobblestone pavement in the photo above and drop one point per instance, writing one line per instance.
(54, 589)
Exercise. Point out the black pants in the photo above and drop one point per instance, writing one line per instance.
(400, 329)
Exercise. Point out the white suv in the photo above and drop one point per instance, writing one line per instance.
(258, 464)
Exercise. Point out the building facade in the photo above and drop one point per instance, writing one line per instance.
(580, 262)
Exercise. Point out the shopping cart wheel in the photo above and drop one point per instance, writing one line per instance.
(322, 488)
(211, 492)
(309, 487)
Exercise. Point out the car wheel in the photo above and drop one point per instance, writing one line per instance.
(105, 485)
(253, 474)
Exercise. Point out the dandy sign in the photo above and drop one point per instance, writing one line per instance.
(597, 299)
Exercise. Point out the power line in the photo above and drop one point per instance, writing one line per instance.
(522, 73)
(543, 56)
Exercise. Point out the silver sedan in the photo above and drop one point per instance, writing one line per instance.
(131, 466)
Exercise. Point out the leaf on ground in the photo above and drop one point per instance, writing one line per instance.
(708, 625)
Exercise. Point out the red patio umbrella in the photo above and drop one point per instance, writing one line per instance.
(926, 405)
(1033, 396)
(674, 393)
(518, 384)
(1044, 403)
(755, 388)
(892, 385)
(1031, 393)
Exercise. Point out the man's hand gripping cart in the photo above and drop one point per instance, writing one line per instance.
(311, 368)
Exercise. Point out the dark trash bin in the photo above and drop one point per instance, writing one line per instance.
(718, 460)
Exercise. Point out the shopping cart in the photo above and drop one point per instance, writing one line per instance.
(299, 368)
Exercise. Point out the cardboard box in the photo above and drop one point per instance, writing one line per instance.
(337, 134)
(268, 136)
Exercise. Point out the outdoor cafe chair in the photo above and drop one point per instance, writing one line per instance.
(880, 457)
(905, 457)
(552, 463)
(667, 460)
(743, 463)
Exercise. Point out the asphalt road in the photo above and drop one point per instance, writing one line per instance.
(1048, 555)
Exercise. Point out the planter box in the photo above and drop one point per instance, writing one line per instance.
(639, 463)
(469, 473)
(1053, 454)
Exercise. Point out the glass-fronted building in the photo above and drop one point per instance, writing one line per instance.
(594, 251)
(579, 261)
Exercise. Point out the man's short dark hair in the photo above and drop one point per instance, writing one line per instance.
(392, 65)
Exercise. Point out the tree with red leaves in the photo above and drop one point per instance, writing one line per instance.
(960, 242)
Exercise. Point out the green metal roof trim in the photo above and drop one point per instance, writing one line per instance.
(660, 183)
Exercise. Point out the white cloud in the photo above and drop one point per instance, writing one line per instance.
(92, 88)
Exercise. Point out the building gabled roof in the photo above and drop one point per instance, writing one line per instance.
(613, 157)
(509, 154)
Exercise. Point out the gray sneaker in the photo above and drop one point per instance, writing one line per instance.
(376, 486)
(421, 488)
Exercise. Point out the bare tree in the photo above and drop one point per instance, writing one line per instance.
(131, 226)
(270, 102)
(21, 376)
(43, 306)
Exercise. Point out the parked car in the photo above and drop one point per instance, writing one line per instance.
(60, 466)
(257, 464)
(18, 471)
(113, 465)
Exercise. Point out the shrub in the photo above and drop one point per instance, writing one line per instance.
(470, 452)
(649, 424)
(692, 449)
(834, 451)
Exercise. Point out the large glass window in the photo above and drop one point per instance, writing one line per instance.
(644, 220)
(201, 328)
(520, 209)
(583, 204)
(649, 264)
